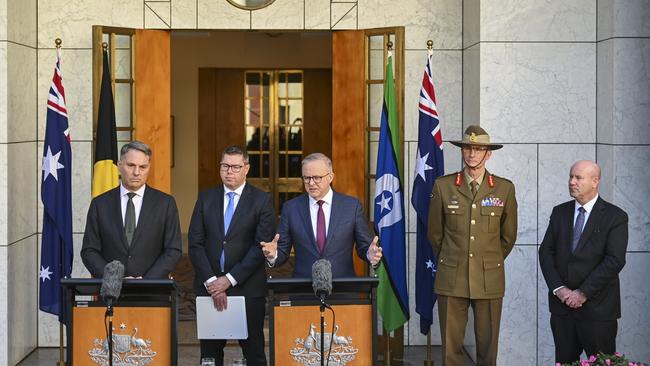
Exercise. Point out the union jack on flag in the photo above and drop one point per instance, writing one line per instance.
(56, 194)
(429, 165)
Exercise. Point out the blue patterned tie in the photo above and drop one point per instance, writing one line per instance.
(577, 228)
(227, 217)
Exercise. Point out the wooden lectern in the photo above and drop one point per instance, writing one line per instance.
(144, 323)
(294, 322)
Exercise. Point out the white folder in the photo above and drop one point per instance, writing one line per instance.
(227, 324)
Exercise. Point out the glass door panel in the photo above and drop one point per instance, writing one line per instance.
(274, 131)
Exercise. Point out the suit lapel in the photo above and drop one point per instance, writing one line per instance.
(306, 218)
(484, 188)
(590, 226)
(218, 204)
(567, 220)
(145, 217)
(116, 201)
(463, 188)
(334, 218)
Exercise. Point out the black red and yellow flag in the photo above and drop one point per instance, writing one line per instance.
(105, 175)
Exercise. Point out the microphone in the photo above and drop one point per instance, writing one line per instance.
(321, 276)
(112, 282)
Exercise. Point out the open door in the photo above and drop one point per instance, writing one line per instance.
(358, 73)
(141, 76)
(358, 68)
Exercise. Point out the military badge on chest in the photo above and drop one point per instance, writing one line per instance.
(453, 203)
(491, 201)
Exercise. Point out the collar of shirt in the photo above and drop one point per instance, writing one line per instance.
(238, 191)
(478, 180)
(587, 206)
(327, 198)
(139, 192)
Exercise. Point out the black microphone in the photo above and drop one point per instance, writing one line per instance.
(112, 282)
(321, 276)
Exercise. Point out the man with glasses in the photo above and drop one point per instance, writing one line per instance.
(322, 224)
(472, 228)
(228, 223)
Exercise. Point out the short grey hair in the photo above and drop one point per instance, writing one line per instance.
(135, 145)
(318, 156)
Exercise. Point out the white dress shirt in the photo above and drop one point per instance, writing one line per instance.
(137, 202)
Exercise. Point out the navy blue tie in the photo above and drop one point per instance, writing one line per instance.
(577, 228)
(227, 217)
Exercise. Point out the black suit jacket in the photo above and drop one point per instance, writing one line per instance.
(156, 246)
(347, 225)
(253, 221)
(593, 267)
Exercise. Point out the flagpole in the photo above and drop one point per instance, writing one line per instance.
(429, 360)
(61, 362)
(388, 361)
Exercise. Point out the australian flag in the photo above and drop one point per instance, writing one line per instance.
(429, 165)
(56, 194)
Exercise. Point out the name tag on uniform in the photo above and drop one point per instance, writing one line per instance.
(452, 206)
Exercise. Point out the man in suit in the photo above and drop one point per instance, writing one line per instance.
(322, 224)
(472, 228)
(228, 223)
(133, 223)
(581, 255)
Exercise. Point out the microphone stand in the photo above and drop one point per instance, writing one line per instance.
(323, 305)
(109, 315)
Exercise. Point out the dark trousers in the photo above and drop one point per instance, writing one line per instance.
(572, 336)
(253, 347)
(452, 312)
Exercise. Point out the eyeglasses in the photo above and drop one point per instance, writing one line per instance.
(476, 149)
(316, 178)
(233, 168)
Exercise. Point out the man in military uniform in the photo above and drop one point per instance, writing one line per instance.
(472, 228)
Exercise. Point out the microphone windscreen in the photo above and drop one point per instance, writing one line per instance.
(112, 280)
(321, 276)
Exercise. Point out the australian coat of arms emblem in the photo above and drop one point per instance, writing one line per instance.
(128, 349)
(308, 353)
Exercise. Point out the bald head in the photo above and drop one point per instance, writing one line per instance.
(584, 179)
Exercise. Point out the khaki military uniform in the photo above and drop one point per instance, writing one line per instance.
(471, 236)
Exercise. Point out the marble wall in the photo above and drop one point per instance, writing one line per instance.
(19, 183)
(554, 81)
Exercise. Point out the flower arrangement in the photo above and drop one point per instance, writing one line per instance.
(602, 359)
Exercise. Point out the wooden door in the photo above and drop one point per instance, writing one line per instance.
(257, 109)
(358, 64)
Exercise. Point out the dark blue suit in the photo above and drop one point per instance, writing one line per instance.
(347, 225)
(253, 221)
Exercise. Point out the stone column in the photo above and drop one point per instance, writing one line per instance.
(18, 182)
(623, 149)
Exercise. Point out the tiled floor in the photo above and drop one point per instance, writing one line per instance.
(189, 356)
